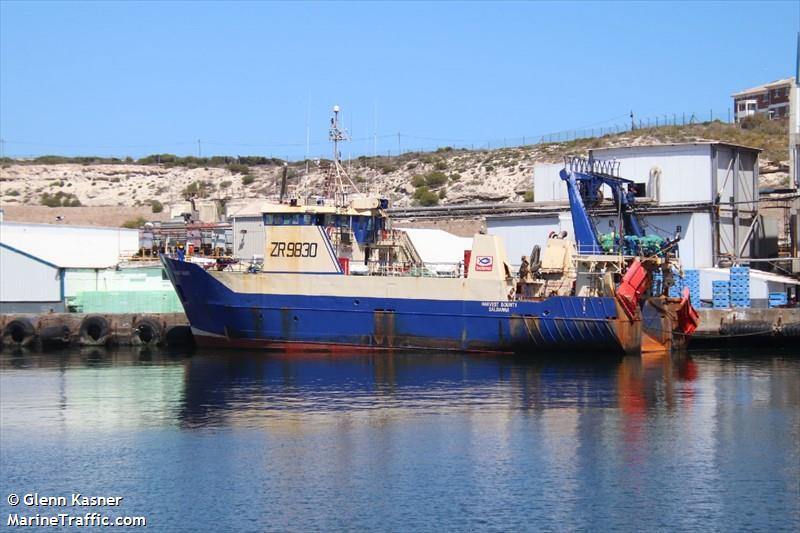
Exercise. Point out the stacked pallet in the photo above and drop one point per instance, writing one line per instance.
(691, 279)
(721, 294)
(676, 290)
(740, 287)
(778, 299)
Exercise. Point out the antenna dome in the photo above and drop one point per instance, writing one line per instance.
(336, 109)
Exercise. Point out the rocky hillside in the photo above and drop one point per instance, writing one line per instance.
(447, 176)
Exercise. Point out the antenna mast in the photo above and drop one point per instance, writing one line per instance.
(338, 178)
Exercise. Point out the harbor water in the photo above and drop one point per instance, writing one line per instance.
(240, 441)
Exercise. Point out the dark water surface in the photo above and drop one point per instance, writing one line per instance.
(407, 442)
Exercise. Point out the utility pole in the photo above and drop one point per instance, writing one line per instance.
(399, 151)
(633, 122)
(2, 148)
(199, 149)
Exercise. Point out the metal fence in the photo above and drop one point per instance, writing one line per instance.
(384, 145)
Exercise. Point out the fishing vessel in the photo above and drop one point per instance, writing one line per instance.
(335, 275)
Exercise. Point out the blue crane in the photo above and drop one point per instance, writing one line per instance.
(585, 179)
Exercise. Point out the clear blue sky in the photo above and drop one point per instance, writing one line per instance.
(136, 78)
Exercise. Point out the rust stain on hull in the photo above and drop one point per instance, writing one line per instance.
(660, 328)
(384, 332)
(628, 331)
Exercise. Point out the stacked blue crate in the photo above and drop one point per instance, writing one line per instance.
(721, 294)
(778, 299)
(740, 286)
(676, 290)
(691, 279)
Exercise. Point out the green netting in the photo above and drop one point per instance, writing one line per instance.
(647, 245)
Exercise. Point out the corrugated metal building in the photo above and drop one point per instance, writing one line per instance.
(72, 246)
(59, 267)
(709, 189)
(29, 284)
(521, 233)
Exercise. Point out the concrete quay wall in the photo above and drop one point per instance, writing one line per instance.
(93, 329)
(729, 324)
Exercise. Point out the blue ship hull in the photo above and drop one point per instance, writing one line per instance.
(220, 316)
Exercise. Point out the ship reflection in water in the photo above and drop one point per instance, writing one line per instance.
(410, 441)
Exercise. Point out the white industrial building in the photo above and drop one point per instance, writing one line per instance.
(709, 190)
(29, 284)
(37, 261)
(522, 232)
(72, 246)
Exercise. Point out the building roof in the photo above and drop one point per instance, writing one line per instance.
(765, 87)
(655, 146)
(48, 226)
(758, 275)
(4, 246)
(70, 246)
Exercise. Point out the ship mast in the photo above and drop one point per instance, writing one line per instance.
(338, 179)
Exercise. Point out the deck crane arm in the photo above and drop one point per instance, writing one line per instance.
(585, 234)
(584, 179)
(623, 197)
